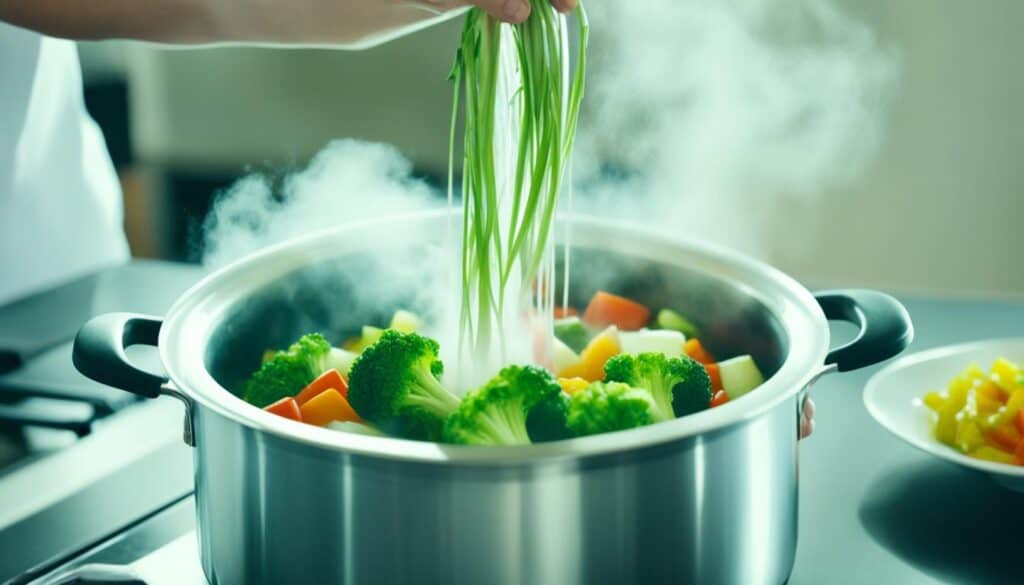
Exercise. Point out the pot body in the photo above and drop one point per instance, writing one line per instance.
(708, 498)
(718, 508)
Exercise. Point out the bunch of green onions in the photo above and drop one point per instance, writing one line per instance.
(522, 102)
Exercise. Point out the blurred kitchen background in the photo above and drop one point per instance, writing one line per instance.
(939, 210)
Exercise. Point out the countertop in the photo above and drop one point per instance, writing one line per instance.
(874, 510)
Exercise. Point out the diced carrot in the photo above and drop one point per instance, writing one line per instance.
(719, 398)
(716, 376)
(1019, 455)
(1005, 437)
(329, 379)
(286, 407)
(695, 349)
(1020, 421)
(563, 312)
(607, 309)
(328, 406)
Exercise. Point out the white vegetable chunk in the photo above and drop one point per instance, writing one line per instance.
(562, 356)
(739, 376)
(341, 360)
(662, 341)
(405, 322)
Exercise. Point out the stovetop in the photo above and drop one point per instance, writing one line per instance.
(116, 506)
(78, 460)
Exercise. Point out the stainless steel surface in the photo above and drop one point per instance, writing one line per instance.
(709, 498)
(719, 507)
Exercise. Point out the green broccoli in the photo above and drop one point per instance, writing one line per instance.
(394, 382)
(651, 371)
(547, 420)
(604, 407)
(286, 373)
(678, 385)
(693, 394)
(496, 413)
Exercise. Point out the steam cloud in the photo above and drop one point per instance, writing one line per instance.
(719, 117)
(347, 181)
(703, 119)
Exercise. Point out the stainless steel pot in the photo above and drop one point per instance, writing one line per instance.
(709, 498)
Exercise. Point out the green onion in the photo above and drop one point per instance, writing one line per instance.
(521, 111)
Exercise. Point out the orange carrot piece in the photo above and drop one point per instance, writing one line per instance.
(695, 349)
(719, 398)
(1020, 421)
(329, 379)
(716, 376)
(328, 406)
(286, 407)
(607, 309)
(1005, 437)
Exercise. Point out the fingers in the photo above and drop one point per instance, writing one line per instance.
(511, 11)
(516, 11)
(807, 419)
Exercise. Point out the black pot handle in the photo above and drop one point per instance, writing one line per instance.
(885, 326)
(99, 352)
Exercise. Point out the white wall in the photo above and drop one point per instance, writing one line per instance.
(942, 210)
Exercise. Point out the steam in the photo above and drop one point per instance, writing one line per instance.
(347, 181)
(712, 120)
(718, 120)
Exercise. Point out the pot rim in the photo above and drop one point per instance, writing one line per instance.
(197, 313)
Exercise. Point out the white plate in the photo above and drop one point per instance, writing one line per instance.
(893, 397)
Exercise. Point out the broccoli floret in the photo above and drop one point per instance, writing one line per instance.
(693, 394)
(394, 381)
(496, 413)
(651, 371)
(604, 407)
(288, 372)
(678, 385)
(547, 420)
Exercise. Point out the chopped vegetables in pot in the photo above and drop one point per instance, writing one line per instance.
(390, 383)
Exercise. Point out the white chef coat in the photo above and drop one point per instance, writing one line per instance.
(60, 201)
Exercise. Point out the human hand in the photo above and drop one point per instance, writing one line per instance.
(807, 418)
(516, 11)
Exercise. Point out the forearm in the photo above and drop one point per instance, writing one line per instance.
(218, 21)
(171, 21)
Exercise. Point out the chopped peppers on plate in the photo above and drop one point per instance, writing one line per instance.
(981, 413)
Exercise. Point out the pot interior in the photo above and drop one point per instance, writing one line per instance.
(340, 295)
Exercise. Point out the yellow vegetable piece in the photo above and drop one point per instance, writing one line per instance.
(986, 405)
(934, 401)
(989, 453)
(572, 385)
(1007, 412)
(968, 435)
(592, 360)
(974, 372)
(1006, 374)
